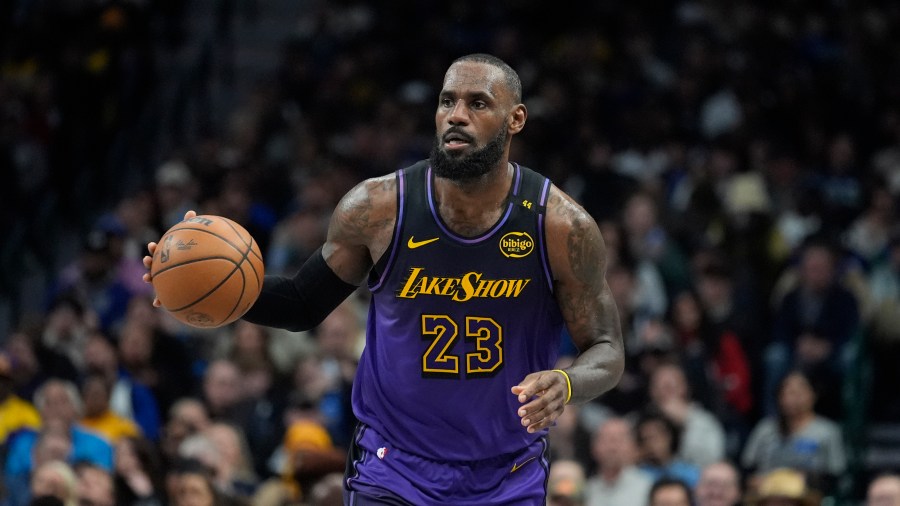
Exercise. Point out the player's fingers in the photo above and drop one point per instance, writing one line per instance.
(190, 214)
(544, 415)
(147, 261)
(535, 383)
(156, 302)
(146, 277)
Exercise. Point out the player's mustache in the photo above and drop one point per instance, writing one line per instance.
(458, 133)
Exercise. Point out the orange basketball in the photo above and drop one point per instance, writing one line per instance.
(207, 271)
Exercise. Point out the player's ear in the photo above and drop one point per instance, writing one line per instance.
(517, 118)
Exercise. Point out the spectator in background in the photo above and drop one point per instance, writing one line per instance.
(95, 485)
(138, 476)
(66, 328)
(54, 443)
(783, 487)
(234, 468)
(57, 479)
(670, 492)
(797, 437)
(193, 485)
(60, 407)
(176, 192)
(128, 398)
(884, 330)
(702, 438)
(95, 282)
(154, 358)
(658, 438)
(617, 479)
(187, 417)
(35, 363)
(869, 234)
(719, 485)
(98, 417)
(15, 413)
(565, 484)
(647, 239)
(262, 388)
(884, 490)
(340, 339)
(714, 360)
(814, 322)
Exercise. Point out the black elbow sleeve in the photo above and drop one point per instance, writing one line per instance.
(303, 301)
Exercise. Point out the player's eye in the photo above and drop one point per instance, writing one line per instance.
(446, 102)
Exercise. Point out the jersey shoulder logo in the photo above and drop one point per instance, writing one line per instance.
(413, 244)
(516, 245)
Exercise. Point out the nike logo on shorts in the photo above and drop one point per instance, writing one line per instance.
(516, 467)
(413, 244)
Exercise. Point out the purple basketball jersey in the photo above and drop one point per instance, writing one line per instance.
(455, 322)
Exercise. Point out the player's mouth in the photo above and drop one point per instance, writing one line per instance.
(456, 140)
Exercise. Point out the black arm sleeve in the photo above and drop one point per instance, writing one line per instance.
(302, 302)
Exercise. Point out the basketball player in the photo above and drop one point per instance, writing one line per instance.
(474, 264)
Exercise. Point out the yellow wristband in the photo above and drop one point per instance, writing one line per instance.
(568, 383)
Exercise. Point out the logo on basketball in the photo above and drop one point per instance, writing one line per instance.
(181, 245)
(201, 319)
(516, 245)
(164, 254)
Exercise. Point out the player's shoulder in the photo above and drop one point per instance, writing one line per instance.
(371, 193)
(564, 212)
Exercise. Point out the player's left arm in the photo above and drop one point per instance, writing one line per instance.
(578, 260)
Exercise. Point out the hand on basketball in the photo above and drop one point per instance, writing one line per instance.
(543, 395)
(151, 248)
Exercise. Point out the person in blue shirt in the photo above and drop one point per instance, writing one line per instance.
(59, 404)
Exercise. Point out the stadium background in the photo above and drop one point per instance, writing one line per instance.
(742, 129)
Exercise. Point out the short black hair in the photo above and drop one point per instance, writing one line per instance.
(510, 75)
(669, 481)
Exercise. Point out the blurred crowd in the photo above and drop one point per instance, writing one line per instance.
(741, 158)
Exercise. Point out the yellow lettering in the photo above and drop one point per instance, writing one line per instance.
(516, 286)
(461, 289)
(499, 288)
(432, 286)
(467, 286)
(409, 290)
(484, 288)
(450, 285)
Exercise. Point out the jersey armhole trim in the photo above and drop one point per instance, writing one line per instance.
(542, 239)
(398, 228)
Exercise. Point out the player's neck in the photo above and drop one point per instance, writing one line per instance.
(474, 206)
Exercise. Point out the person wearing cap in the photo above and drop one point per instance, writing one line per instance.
(15, 413)
(783, 487)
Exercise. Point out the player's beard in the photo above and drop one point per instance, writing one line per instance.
(462, 166)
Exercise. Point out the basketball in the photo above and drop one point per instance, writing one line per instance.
(207, 271)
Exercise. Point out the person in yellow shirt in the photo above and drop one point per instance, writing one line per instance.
(98, 416)
(15, 413)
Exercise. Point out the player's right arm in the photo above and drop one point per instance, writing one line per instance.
(358, 234)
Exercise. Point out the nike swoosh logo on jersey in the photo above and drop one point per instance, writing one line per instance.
(413, 244)
(516, 467)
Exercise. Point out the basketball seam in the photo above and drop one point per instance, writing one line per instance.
(223, 238)
(237, 267)
(186, 262)
(240, 297)
(249, 244)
